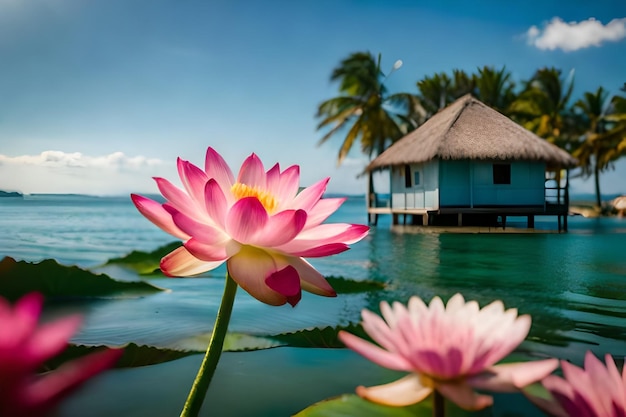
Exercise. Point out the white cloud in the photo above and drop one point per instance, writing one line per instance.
(119, 174)
(63, 172)
(571, 36)
(60, 159)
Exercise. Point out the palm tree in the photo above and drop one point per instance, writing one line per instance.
(363, 107)
(590, 151)
(434, 92)
(615, 137)
(462, 84)
(616, 119)
(604, 138)
(542, 107)
(439, 90)
(495, 88)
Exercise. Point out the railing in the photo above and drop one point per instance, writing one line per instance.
(556, 189)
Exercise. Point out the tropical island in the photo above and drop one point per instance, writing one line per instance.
(11, 194)
(591, 130)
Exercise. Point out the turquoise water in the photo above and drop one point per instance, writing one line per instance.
(572, 284)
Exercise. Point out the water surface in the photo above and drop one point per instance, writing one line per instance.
(572, 284)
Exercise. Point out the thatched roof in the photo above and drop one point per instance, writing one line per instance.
(469, 129)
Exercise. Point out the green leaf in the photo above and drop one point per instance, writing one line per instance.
(537, 390)
(347, 286)
(134, 355)
(234, 342)
(350, 405)
(319, 338)
(142, 355)
(54, 280)
(144, 263)
(540, 397)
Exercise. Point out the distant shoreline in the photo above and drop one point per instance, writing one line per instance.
(578, 202)
(12, 194)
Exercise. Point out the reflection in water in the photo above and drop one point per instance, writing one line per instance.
(571, 284)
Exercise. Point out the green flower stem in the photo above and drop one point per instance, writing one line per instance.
(438, 404)
(209, 363)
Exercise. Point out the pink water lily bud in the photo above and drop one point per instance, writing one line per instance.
(260, 223)
(597, 390)
(25, 345)
(450, 348)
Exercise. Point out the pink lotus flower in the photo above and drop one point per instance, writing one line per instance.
(595, 391)
(259, 224)
(451, 349)
(25, 346)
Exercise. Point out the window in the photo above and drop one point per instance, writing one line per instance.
(407, 176)
(501, 173)
(416, 178)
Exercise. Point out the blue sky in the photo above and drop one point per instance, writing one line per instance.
(99, 96)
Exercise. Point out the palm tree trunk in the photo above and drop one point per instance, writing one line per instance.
(372, 192)
(596, 173)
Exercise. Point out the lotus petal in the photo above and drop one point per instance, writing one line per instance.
(257, 217)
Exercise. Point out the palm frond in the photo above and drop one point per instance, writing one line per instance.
(340, 117)
(349, 141)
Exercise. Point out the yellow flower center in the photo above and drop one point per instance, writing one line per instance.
(427, 381)
(268, 201)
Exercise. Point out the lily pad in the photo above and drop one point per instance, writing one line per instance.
(234, 342)
(142, 355)
(347, 286)
(350, 405)
(145, 263)
(134, 355)
(319, 338)
(54, 280)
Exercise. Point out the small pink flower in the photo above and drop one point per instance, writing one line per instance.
(595, 391)
(258, 223)
(24, 348)
(451, 349)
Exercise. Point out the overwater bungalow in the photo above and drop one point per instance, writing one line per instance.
(471, 165)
